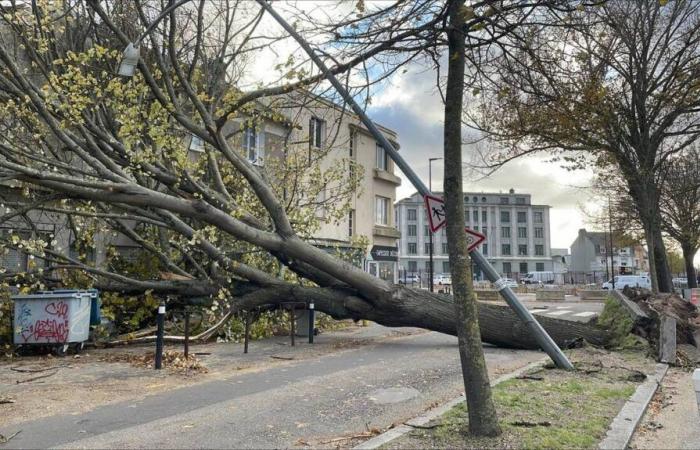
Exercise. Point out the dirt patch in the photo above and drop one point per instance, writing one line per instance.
(547, 407)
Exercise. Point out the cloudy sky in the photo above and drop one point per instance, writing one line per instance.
(410, 105)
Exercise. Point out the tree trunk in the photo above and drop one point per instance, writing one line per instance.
(481, 410)
(663, 271)
(688, 256)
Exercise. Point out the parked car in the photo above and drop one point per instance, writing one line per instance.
(442, 278)
(628, 280)
(410, 279)
(509, 282)
(681, 282)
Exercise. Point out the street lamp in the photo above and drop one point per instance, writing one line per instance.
(430, 235)
(130, 56)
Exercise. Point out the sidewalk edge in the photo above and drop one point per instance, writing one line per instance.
(433, 414)
(625, 423)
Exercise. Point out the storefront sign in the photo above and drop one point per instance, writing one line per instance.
(384, 253)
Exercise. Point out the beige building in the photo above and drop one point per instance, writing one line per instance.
(329, 136)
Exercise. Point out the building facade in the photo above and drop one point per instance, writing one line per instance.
(590, 253)
(517, 233)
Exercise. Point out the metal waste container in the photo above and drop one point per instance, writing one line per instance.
(55, 319)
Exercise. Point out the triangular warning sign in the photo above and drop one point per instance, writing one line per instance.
(474, 239)
(436, 212)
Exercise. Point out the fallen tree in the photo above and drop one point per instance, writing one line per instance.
(106, 155)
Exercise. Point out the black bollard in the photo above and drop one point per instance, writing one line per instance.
(159, 336)
(312, 318)
(246, 336)
(187, 332)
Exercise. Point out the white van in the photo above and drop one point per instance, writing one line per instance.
(628, 280)
(537, 278)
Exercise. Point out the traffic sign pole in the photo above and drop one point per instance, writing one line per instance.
(543, 339)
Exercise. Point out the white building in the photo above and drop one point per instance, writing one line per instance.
(517, 233)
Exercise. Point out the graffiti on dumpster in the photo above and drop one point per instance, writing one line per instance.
(52, 325)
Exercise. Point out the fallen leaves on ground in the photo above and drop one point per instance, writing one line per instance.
(172, 360)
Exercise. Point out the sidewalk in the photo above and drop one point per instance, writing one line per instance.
(79, 383)
(672, 419)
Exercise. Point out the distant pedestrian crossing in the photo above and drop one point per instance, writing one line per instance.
(562, 312)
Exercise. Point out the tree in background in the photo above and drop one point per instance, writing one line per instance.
(617, 89)
(680, 207)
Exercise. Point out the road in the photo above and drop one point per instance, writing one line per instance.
(314, 402)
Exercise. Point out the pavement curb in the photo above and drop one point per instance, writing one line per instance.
(625, 423)
(433, 414)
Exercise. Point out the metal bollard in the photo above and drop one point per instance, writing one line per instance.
(246, 332)
(159, 336)
(187, 332)
(292, 319)
(311, 322)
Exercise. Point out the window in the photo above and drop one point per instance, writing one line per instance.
(466, 215)
(504, 200)
(539, 232)
(483, 199)
(522, 249)
(597, 249)
(426, 247)
(483, 231)
(412, 230)
(505, 249)
(506, 268)
(412, 214)
(445, 248)
(476, 228)
(539, 267)
(426, 230)
(475, 199)
(522, 217)
(523, 267)
(485, 249)
(196, 144)
(522, 232)
(505, 216)
(316, 126)
(537, 216)
(539, 250)
(351, 222)
(251, 145)
(445, 267)
(382, 160)
(483, 215)
(427, 266)
(466, 199)
(520, 201)
(413, 266)
(353, 136)
(412, 248)
(381, 211)
(505, 232)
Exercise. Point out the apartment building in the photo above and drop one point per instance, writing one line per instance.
(333, 134)
(517, 233)
(590, 253)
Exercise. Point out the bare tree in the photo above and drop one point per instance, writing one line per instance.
(680, 205)
(612, 89)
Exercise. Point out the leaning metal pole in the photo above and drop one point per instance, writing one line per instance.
(543, 339)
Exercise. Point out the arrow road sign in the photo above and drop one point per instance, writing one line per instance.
(436, 212)
(474, 239)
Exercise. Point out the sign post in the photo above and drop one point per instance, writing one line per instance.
(543, 339)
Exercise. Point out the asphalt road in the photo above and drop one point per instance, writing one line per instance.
(313, 402)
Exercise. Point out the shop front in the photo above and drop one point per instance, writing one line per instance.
(383, 262)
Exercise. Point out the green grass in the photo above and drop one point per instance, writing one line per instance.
(579, 407)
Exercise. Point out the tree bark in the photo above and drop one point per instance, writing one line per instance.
(663, 271)
(688, 256)
(483, 420)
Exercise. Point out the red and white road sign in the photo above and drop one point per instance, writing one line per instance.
(436, 212)
(474, 239)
